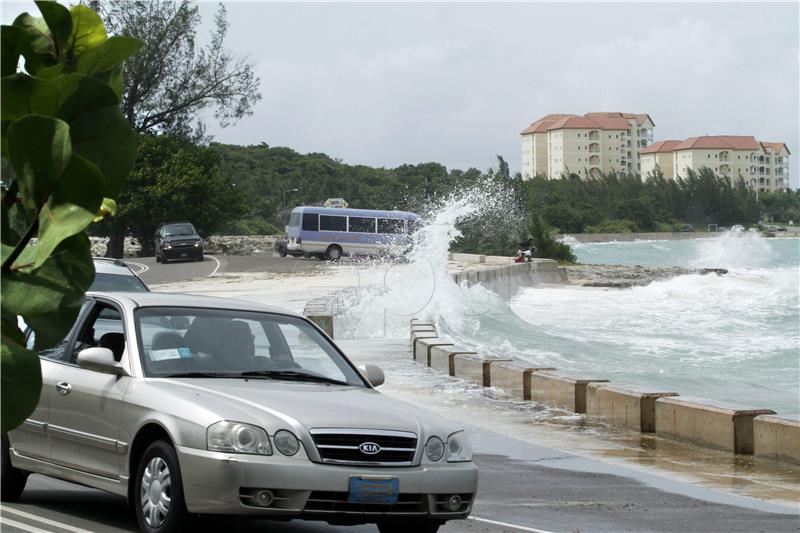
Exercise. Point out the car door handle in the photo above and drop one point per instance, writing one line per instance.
(63, 388)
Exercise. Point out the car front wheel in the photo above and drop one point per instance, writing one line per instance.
(160, 507)
(404, 525)
(12, 480)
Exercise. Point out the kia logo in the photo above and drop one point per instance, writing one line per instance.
(370, 448)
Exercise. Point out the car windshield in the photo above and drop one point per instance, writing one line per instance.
(179, 229)
(200, 343)
(117, 282)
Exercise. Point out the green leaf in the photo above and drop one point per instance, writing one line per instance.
(21, 375)
(40, 150)
(12, 43)
(48, 298)
(107, 139)
(98, 130)
(107, 208)
(37, 48)
(59, 22)
(71, 207)
(108, 55)
(88, 30)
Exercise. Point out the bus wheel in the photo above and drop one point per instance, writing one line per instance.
(334, 253)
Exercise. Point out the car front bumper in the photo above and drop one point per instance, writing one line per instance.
(183, 252)
(220, 483)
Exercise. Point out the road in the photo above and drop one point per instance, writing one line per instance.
(213, 265)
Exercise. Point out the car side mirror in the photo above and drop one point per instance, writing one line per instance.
(374, 374)
(100, 360)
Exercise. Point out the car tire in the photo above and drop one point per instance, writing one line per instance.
(334, 253)
(282, 251)
(200, 257)
(403, 525)
(158, 258)
(12, 480)
(159, 464)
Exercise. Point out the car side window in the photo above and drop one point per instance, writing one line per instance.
(59, 351)
(103, 328)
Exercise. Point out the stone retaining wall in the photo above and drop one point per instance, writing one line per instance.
(214, 244)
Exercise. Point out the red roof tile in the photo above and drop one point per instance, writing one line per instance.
(660, 147)
(775, 147)
(716, 142)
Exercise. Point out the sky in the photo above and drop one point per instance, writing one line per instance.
(387, 84)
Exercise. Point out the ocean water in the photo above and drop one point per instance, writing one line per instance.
(732, 338)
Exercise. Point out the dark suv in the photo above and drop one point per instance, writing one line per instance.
(178, 240)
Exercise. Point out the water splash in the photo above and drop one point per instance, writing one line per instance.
(390, 295)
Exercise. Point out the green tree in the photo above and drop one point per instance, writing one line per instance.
(543, 243)
(172, 80)
(69, 150)
(175, 179)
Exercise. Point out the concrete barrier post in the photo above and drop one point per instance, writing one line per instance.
(422, 348)
(708, 423)
(628, 407)
(420, 335)
(319, 311)
(777, 437)
(514, 377)
(561, 390)
(442, 357)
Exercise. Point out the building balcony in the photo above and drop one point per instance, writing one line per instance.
(594, 148)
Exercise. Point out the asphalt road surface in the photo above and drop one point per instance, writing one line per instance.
(154, 273)
(516, 494)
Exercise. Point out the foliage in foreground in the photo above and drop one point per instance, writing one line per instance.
(70, 151)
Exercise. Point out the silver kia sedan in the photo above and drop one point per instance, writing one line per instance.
(189, 405)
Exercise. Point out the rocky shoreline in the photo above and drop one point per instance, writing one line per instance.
(623, 276)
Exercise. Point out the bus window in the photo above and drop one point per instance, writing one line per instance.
(332, 223)
(362, 225)
(294, 220)
(310, 222)
(390, 225)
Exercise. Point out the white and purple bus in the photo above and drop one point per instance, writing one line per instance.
(331, 232)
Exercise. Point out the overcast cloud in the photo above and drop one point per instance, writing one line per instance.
(387, 84)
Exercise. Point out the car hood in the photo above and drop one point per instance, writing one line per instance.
(302, 406)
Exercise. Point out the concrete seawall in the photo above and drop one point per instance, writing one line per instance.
(502, 275)
(702, 422)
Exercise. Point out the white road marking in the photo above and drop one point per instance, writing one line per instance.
(506, 524)
(218, 265)
(20, 525)
(142, 268)
(4, 509)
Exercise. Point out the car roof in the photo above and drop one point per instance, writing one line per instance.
(167, 299)
(107, 265)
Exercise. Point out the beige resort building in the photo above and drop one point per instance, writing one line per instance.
(587, 145)
(764, 166)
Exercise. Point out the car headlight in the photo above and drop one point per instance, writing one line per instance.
(237, 437)
(197, 244)
(167, 246)
(434, 449)
(286, 442)
(458, 448)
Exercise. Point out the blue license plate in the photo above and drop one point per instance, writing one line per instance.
(373, 490)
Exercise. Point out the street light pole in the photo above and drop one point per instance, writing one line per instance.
(283, 200)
